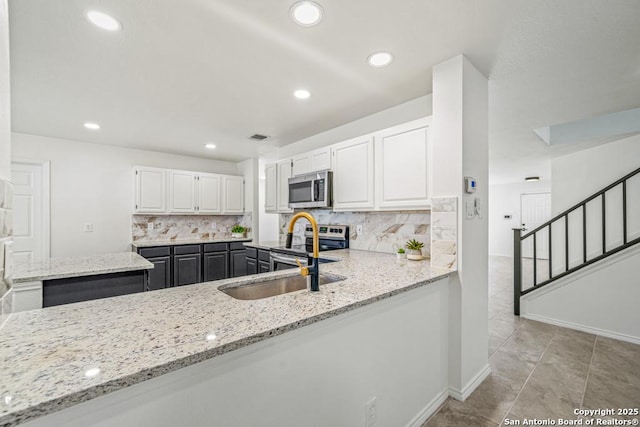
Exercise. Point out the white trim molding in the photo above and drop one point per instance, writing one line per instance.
(431, 408)
(469, 388)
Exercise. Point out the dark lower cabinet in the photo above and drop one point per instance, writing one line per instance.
(252, 266)
(215, 266)
(77, 289)
(160, 274)
(238, 263)
(264, 267)
(186, 269)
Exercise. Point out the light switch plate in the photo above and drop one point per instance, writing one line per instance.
(149, 226)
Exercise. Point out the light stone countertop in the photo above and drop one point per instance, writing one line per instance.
(58, 268)
(44, 354)
(152, 243)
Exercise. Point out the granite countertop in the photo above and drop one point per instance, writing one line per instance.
(152, 243)
(57, 268)
(44, 354)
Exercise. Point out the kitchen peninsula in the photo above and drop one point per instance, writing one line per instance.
(138, 359)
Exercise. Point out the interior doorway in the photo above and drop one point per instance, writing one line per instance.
(31, 227)
(535, 210)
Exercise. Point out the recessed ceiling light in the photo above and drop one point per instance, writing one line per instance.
(532, 178)
(380, 59)
(104, 21)
(306, 13)
(210, 146)
(92, 126)
(302, 94)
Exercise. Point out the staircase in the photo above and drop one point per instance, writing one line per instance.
(587, 221)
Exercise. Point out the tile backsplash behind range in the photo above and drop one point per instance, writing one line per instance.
(382, 231)
(184, 227)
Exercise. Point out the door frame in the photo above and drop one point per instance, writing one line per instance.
(522, 210)
(46, 200)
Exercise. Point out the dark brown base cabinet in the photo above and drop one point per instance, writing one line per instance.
(258, 261)
(186, 264)
(86, 288)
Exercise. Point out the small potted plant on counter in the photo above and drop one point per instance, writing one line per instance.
(401, 254)
(414, 250)
(237, 231)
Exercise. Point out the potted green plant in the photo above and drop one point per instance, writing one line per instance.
(401, 254)
(414, 250)
(237, 231)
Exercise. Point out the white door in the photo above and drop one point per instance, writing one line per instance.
(301, 164)
(182, 192)
(353, 174)
(233, 195)
(401, 166)
(282, 192)
(535, 210)
(321, 159)
(30, 211)
(270, 172)
(209, 197)
(151, 190)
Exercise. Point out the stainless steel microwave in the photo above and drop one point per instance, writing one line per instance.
(312, 190)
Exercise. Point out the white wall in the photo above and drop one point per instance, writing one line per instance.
(5, 101)
(460, 126)
(504, 199)
(601, 299)
(320, 375)
(93, 183)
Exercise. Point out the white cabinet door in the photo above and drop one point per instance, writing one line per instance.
(282, 191)
(321, 159)
(401, 156)
(301, 164)
(353, 174)
(182, 192)
(150, 190)
(209, 194)
(232, 195)
(271, 184)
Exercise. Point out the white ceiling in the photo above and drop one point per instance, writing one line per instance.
(182, 73)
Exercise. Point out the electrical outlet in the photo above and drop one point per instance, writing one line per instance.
(359, 229)
(296, 228)
(88, 228)
(149, 226)
(371, 412)
(214, 226)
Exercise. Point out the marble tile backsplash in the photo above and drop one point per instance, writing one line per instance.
(186, 227)
(6, 236)
(444, 232)
(381, 231)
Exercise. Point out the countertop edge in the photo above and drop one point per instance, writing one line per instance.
(66, 401)
(82, 273)
(153, 244)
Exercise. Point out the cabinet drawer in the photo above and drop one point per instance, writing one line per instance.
(155, 252)
(234, 246)
(215, 247)
(263, 255)
(252, 253)
(186, 249)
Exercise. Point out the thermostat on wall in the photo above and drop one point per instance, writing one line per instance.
(469, 185)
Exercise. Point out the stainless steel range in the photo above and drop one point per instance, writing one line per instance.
(331, 237)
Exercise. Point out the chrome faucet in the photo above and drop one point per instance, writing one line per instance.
(314, 269)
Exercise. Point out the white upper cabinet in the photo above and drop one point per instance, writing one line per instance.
(353, 174)
(271, 173)
(150, 190)
(402, 163)
(282, 189)
(209, 198)
(232, 195)
(312, 161)
(182, 192)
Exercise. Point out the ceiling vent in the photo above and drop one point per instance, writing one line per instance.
(258, 137)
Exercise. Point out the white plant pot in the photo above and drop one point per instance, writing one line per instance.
(401, 256)
(237, 235)
(414, 255)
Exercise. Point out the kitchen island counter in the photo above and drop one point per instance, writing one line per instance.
(61, 356)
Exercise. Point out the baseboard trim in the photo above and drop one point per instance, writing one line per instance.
(583, 328)
(428, 410)
(463, 394)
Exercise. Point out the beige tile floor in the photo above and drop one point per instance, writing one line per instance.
(543, 371)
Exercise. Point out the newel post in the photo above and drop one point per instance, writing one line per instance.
(517, 270)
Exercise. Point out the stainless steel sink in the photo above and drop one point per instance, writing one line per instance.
(273, 287)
